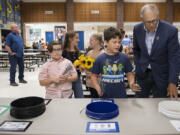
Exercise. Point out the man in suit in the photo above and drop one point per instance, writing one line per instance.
(156, 55)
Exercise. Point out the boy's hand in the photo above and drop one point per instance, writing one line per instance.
(100, 93)
(64, 78)
(55, 80)
(135, 87)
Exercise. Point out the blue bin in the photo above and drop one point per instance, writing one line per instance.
(102, 110)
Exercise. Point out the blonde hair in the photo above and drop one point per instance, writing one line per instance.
(98, 37)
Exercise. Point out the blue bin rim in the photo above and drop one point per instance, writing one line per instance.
(102, 116)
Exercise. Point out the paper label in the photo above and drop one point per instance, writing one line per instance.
(103, 127)
(15, 126)
(176, 124)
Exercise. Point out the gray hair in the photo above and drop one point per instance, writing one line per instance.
(13, 25)
(153, 7)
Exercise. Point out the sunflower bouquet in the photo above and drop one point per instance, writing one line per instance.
(84, 62)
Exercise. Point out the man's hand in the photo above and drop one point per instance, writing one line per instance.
(135, 87)
(172, 91)
(12, 53)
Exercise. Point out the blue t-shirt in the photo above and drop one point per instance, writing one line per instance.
(15, 42)
(112, 70)
(126, 42)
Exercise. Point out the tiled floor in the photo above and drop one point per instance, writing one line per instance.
(32, 88)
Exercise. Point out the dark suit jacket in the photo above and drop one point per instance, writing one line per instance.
(165, 54)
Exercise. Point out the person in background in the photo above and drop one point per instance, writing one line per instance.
(15, 47)
(111, 66)
(72, 53)
(122, 34)
(34, 45)
(40, 45)
(57, 74)
(156, 55)
(3, 39)
(96, 45)
(126, 42)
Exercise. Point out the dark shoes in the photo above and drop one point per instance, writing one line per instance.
(22, 81)
(14, 84)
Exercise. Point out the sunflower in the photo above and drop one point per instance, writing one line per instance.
(82, 60)
(76, 63)
(89, 62)
(81, 57)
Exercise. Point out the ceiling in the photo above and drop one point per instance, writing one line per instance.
(97, 0)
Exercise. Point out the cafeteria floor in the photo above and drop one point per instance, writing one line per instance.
(32, 88)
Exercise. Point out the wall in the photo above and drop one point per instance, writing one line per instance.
(83, 12)
(132, 11)
(45, 27)
(92, 23)
(176, 12)
(91, 28)
(35, 12)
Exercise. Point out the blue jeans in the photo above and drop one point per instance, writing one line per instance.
(77, 88)
(14, 61)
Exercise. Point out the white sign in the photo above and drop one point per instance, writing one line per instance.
(49, 12)
(94, 11)
(15, 125)
(176, 124)
(102, 127)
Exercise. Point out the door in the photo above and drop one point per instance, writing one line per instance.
(81, 38)
(49, 37)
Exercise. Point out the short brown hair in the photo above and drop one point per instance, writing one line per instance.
(110, 33)
(53, 43)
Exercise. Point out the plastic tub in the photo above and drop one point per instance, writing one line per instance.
(102, 110)
(27, 107)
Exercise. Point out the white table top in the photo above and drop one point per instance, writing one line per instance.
(63, 117)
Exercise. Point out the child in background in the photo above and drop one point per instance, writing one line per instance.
(112, 65)
(96, 45)
(57, 74)
(71, 52)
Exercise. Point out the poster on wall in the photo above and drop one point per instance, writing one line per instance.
(17, 13)
(35, 35)
(2, 13)
(59, 33)
(10, 11)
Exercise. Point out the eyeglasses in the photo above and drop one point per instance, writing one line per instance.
(57, 50)
(151, 22)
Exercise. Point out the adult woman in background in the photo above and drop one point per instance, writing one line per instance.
(71, 52)
(96, 45)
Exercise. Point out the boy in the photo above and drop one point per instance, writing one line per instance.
(57, 74)
(111, 66)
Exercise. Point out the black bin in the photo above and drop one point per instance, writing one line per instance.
(27, 107)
